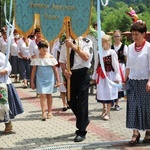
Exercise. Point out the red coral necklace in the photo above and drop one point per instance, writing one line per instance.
(139, 48)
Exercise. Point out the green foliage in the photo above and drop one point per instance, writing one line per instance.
(142, 8)
(93, 15)
(129, 2)
(144, 16)
(114, 15)
(2, 19)
(126, 41)
(125, 23)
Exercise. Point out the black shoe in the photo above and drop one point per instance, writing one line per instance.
(43, 119)
(64, 109)
(147, 137)
(117, 108)
(79, 138)
(136, 141)
(68, 107)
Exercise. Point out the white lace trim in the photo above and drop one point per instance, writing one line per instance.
(43, 62)
(139, 74)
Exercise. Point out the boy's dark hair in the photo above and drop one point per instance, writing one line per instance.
(3, 31)
(42, 44)
(94, 24)
(31, 36)
(15, 31)
(139, 26)
(37, 30)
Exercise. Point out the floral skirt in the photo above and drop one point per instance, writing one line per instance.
(14, 103)
(4, 106)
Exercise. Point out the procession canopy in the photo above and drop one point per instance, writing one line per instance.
(50, 15)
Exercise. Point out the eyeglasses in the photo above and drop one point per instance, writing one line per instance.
(116, 36)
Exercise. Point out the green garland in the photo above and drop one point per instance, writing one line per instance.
(93, 32)
(62, 39)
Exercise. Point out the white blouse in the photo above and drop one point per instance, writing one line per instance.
(3, 45)
(51, 61)
(21, 47)
(13, 48)
(138, 62)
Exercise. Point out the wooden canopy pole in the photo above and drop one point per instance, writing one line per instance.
(67, 24)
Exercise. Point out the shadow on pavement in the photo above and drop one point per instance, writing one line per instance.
(39, 143)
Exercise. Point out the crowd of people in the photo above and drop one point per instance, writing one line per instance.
(40, 67)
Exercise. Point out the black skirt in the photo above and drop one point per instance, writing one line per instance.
(138, 105)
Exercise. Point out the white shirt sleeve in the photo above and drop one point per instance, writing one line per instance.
(148, 52)
(55, 48)
(31, 48)
(125, 51)
(0, 44)
(19, 46)
(127, 61)
(86, 47)
(63, 57)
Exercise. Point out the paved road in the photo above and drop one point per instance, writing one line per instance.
(30, 133)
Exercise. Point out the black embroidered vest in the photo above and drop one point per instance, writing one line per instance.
(107, 63)
(121, 56)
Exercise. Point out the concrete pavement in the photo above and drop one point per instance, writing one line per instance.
(30, 133)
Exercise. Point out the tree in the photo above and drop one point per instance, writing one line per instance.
(142, 8)
(2, 17)
(114, 17)
(93, 15)
(125, 23)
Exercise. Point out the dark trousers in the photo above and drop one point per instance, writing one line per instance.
(24, 68)
(79, 99)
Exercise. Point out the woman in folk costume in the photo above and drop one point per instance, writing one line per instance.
(24, 59)
(10, 103)
(14, 55)
(137, 81)
(106, 91)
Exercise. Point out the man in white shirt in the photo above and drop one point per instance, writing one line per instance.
(79, 79)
